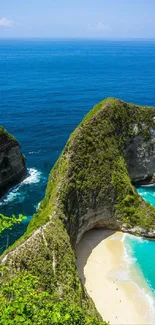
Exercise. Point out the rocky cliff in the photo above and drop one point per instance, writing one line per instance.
(90, 186)
(12, 162)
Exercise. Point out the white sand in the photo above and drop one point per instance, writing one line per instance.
(101, 268)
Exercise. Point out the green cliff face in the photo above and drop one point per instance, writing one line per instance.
(89, 186)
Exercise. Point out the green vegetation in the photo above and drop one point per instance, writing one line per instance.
(9, 222)
(91, 174)
(4, 132)
(24, 302)
(87, 171)
(51, 260)
(131, 208)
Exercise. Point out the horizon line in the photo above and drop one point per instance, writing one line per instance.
(78, 38)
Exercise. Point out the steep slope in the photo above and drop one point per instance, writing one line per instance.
(90, 186)
(12, 162)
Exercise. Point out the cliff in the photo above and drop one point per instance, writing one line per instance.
(90, 186)
(12, 162)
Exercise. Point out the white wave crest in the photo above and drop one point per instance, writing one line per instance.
(149, 185)
(12, 196)
(33, 177)
(128, 257)
(138, 239)
(151, 310)
(142, 193)
(149, 300)
(142, 292)
(15, 194)
(33, 152)
(123, 238)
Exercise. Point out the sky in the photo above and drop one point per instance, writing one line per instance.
(103, 19)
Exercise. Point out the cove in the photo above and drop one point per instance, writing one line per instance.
(142, 249)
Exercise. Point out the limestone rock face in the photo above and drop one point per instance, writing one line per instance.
(90, 186)
(140, 158)
(12, 162)
(101, 218)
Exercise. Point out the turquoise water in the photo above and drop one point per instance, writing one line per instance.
(148, 193)
(141, 253)
(144, 250)
(46, 88)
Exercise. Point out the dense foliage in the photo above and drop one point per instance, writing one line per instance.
(90, 174)
(51, 260)
(9, 222)
(92, 170)
(24, 302)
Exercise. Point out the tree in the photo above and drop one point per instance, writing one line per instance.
(9, 222)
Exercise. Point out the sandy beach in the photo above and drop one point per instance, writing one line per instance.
(103, 271)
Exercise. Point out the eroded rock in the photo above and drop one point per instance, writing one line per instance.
(12, 162)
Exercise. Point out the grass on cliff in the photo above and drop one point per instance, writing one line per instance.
(4, 132)
(50, 291)
(90, 174)
(92, 165)
(92, 171)
(97, 173)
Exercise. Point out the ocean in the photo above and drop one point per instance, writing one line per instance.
(46, 88)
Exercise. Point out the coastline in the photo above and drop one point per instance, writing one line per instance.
(115, 284)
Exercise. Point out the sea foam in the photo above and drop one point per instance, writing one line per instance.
(143, 290)
(130, 272)
(33, 177)
(15, 194)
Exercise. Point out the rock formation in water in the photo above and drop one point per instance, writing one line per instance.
(90, 186)
(12, 162)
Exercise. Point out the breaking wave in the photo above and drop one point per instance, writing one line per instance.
(16, 194)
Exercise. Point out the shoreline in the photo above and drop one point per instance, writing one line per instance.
(118, 289)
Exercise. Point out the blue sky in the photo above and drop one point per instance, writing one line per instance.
(77, 18)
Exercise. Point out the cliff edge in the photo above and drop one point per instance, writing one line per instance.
(90, 186)
(12, 162)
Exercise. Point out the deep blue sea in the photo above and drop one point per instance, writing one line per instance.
(46, 88)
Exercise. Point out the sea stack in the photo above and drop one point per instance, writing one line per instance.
(12, 162)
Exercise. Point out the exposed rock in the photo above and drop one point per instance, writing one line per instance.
(12, 162)
(140, 158)
(90, 186)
